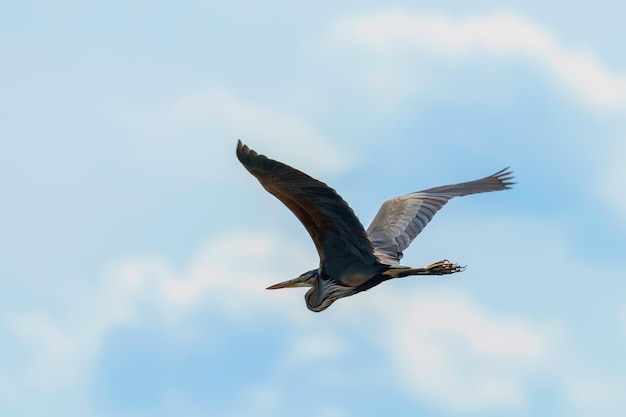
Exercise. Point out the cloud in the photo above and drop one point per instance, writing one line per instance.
(314, 347)
(61, 348)
(390, 37)
(457, 356)
(190, 135)
(496, 33)
(448, 350)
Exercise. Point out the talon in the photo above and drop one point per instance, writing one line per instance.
(444, 267)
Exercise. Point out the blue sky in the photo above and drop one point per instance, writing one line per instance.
(135, 249)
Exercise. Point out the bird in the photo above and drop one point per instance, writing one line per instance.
(353, 259)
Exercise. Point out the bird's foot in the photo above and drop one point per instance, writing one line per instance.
(443, 268)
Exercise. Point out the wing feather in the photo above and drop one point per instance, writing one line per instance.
(402, 218)
(338, 234)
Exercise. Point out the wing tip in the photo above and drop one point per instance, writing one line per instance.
(241, 148)
(505, 176)
(244, 153)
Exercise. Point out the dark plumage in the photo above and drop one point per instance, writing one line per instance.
(353, 259)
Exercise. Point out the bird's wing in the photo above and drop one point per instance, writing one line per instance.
(338, 235)
(402, 218)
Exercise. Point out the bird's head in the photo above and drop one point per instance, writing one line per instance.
(322, 292)
(305, 280)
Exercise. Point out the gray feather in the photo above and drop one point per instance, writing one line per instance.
(402, 218)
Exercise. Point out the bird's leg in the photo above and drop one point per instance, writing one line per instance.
(443, 268)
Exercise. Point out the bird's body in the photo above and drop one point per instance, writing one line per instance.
(353, 259)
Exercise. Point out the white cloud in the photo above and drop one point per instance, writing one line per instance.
(496, 33)
(392, 36)
(449, 351)
(230, 274)
(191, 135)
(37, 330)
(593, 393)
(457, 356)
(314, 347)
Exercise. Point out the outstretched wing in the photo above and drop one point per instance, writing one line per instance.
(402, 218)
(338, 235)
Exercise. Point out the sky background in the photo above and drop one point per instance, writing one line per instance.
(135, 249)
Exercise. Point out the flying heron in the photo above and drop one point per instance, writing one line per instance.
(353, 259)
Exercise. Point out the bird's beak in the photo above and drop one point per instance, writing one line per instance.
(292, 283)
